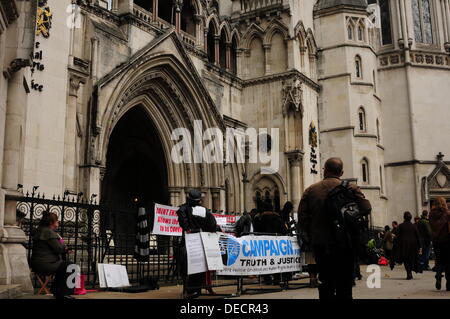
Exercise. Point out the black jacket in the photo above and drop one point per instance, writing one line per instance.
(270, 223)
(244, 225)
(194, 223)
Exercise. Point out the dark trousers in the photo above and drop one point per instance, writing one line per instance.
(59, 285)
(194, 283)
(336, 269)
(442, 251)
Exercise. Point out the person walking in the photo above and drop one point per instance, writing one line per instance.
(425, 233)
(440, 227)
(48, 255)
(394, 245)
(194, 218)
(332, 247)
(409, 245)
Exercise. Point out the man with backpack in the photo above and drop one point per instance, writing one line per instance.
(332, 213)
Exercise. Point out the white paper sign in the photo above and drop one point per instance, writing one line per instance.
(199, 211)
(116, 276)
(212, 251)
(101, 276)
(195, 254)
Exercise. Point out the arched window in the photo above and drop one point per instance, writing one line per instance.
(360, 33)
(187, 18)
(211, 43)
(365, 171)
(423, 29)
(257, 58)
(278, 53)
(350, 32)
(362, 120)
(358, 67)
(223, 49)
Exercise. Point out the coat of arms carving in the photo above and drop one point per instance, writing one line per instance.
(44, 19)
(292, 97)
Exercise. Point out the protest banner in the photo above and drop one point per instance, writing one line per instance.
(227, 222)
(166, 221)
(259, 255)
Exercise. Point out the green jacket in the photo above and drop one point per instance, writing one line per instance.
(424, 229)
(47, 251)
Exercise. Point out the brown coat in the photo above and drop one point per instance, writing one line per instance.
(313, 219)
(440, 223)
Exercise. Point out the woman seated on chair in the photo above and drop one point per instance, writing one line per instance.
(47, 255)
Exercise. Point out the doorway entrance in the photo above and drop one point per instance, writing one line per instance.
(136, 173)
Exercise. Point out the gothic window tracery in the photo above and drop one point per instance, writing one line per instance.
(362, 119)
(365, 171)
(422, 16)
(358, 67)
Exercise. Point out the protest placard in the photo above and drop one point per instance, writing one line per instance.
(166, 221)
(212, 251)
(196, 258)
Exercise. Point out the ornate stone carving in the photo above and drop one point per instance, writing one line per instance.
(292, 96)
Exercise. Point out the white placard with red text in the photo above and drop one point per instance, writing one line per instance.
(166, 221)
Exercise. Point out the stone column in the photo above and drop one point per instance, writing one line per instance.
(70, 156)
(228, 62)
(295, 163)
(205, 41)
(14, 268)
(215, 195)
(175, 196)
(400, 40)
(94, 59)
(155, 10)
(178, 6)
(217, 50)
(198, 29)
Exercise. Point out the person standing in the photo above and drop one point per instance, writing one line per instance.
(48, 255)
(269, 223)
(388, 242)
(333, 254)
(425, 233)
(244, 225)
(194, 218)
(440, 226)
(394, 245)
(409, 245)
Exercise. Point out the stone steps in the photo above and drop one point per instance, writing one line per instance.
(10, 291)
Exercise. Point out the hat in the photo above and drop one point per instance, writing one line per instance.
(195, 195)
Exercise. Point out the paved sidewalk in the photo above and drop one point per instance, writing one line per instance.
(393, 286)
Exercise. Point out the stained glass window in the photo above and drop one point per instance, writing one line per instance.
(386, 32)
(423, 28)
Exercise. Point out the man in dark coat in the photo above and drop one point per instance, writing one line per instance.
(409, 245)
(193, 222)
(335, 267)
(269, 223)
(244, 225)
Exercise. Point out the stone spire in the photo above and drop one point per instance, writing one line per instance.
(327, 4)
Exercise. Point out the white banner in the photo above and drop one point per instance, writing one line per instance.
(259, 255)
(166, 221)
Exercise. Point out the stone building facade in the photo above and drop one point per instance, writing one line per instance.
(91, 99)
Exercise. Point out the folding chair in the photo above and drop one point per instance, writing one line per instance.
(44, 280)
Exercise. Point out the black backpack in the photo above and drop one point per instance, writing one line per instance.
(347, 222)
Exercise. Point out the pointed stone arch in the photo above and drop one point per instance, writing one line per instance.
(274, 27)
(253, 31)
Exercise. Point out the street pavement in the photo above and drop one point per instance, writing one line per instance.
(393, 285)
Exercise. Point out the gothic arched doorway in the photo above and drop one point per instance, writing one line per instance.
(136, 174)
